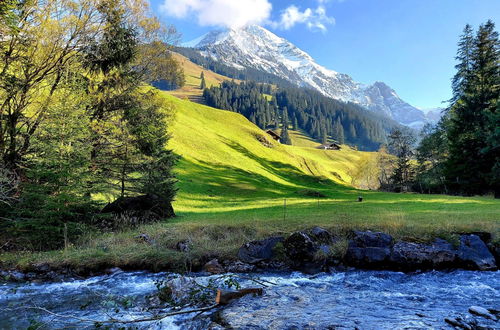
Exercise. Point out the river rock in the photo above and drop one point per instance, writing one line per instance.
(300, 247)
(239, 267)
(369, 249)
(183, 246)
(214, 267)
(457, 323)
(13, 276)
(257, 251)
(180, 290)
(41, 267)
(412, 256)
(113, 271)
(302, 250)
(483, 312)
(474, 254)
(321, 235)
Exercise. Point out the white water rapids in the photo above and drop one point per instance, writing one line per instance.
(337, 300)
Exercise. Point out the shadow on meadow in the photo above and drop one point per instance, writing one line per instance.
(214, 180)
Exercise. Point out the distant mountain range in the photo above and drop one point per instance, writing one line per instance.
(257, 48)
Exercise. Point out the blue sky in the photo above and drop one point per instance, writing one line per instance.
(408, 44)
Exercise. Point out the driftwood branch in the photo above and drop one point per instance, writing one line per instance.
(225, 297)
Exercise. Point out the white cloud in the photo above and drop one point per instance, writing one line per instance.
(315, 19)
(238, 13)
(228, 13)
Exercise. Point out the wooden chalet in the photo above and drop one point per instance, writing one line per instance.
(330, 146)
(274, 135)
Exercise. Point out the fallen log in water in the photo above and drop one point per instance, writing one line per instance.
(224, 297)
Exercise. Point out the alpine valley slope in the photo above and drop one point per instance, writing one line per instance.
(255, 47)
(232, 190)
(224, 161)
(227, 176)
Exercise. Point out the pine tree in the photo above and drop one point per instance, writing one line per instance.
(203, 84)
(324, 138)
(338, 131)
(473, 117)
(284, 118)
(285, 137)
(462, 77)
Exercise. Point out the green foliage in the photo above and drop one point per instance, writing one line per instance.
(285, 137)
(461, 154)
(338, 132)
(318, 116)
(401, 145)
(8, 16)
(77, 120)
(431, 154)
(203, 84)
(55, 204)
(130, 124)
(245, 98)
(117, 44)
(158, 67)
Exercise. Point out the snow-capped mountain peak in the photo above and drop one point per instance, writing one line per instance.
(255, 47)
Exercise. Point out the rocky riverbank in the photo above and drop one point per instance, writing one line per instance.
(316, 250)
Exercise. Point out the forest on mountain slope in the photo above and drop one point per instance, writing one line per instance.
(322, 118)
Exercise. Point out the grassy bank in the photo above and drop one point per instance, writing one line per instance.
(232, 189)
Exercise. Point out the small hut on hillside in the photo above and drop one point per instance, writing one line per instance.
(274, 135)
(330, 146)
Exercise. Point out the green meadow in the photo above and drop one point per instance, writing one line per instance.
(234, 188)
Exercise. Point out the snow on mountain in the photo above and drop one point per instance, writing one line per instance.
(255, 47)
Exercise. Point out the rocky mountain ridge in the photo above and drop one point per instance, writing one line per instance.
(256, 47)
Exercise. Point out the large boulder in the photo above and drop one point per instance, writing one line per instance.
(300, 247)
(369, 249)
(302, 250)
(145, 205)
(412, 256)
(257, 251)
(473, 254)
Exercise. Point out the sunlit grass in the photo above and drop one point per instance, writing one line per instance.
(191, 90)
(233, 189)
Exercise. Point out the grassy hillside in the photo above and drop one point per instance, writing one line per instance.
(191, 90)
(224, 168)
(233, 188)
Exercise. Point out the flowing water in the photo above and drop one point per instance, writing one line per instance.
(337, 300)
